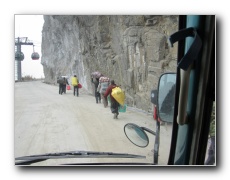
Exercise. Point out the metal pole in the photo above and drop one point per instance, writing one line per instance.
(19, 66)
(157, 142)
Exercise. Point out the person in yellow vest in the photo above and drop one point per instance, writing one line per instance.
(74, 82)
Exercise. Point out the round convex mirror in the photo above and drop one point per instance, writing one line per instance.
(136, 135)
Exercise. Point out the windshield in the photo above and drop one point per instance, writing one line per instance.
(52, 116)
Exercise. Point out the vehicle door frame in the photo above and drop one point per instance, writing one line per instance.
(189, 141)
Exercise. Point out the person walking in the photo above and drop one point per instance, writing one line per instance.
(95, 81)
(103, 85)
(59, 81)
(114, 104)
(74, 82)
(65, 82)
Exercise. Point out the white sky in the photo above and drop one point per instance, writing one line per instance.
(30, 26)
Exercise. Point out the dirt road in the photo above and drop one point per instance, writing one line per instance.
(46, 122)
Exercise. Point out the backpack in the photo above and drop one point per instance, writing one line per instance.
(119, 95)
(60, 81)
(95, 80)
(104, 86)
(103, 79)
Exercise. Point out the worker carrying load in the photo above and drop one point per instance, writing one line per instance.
(102, 86)
(117, 97)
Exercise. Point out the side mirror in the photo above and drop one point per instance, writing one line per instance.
(166, 97)
(136, 135)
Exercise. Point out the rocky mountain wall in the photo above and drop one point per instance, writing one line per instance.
(131, 49)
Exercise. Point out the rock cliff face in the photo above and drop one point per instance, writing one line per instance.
(132, 50)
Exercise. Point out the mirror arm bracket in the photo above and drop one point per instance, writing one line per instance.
(149, 130)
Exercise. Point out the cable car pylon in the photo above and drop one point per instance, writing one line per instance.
(19, 56)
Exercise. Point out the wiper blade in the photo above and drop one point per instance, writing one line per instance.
(26, 160)
(80, 154)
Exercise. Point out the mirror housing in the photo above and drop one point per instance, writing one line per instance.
(154, 96)
(136, 135)
(166, 97)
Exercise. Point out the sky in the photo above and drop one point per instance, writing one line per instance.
(7, 13)
(30, 26)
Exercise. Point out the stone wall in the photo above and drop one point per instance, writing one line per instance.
(132, 50)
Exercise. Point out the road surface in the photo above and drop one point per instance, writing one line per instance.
(47, 122)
